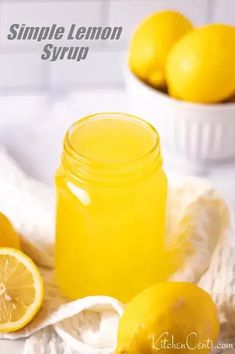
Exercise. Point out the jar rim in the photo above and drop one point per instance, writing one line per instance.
(76, 156)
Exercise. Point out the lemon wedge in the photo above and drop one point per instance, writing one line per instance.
(21, 289)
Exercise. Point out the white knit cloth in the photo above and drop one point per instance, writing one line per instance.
(198, 222)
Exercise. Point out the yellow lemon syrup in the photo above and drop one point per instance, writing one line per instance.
(111, 196)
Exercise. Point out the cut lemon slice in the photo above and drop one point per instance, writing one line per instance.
(21, 289)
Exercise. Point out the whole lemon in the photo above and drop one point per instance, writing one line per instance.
(152, 42)
(201, 66)
(8, 235)
(169, 315)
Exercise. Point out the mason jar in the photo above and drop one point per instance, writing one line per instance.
(111, 200)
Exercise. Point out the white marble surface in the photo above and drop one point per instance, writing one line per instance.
(32, 129)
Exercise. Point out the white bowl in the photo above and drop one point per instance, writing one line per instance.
(198, 133)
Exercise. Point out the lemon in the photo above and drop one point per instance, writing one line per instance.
(201, 65)
(165, 314)
(21, 289)
(152, 42)
(8, 235)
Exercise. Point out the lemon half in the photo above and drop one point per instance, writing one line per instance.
(21, 290)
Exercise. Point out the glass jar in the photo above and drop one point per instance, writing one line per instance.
(111, 199)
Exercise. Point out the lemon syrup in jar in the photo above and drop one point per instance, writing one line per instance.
(111, 198)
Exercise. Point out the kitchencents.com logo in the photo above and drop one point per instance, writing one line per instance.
(168, 341)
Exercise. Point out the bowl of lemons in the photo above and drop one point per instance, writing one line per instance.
(182, 80)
